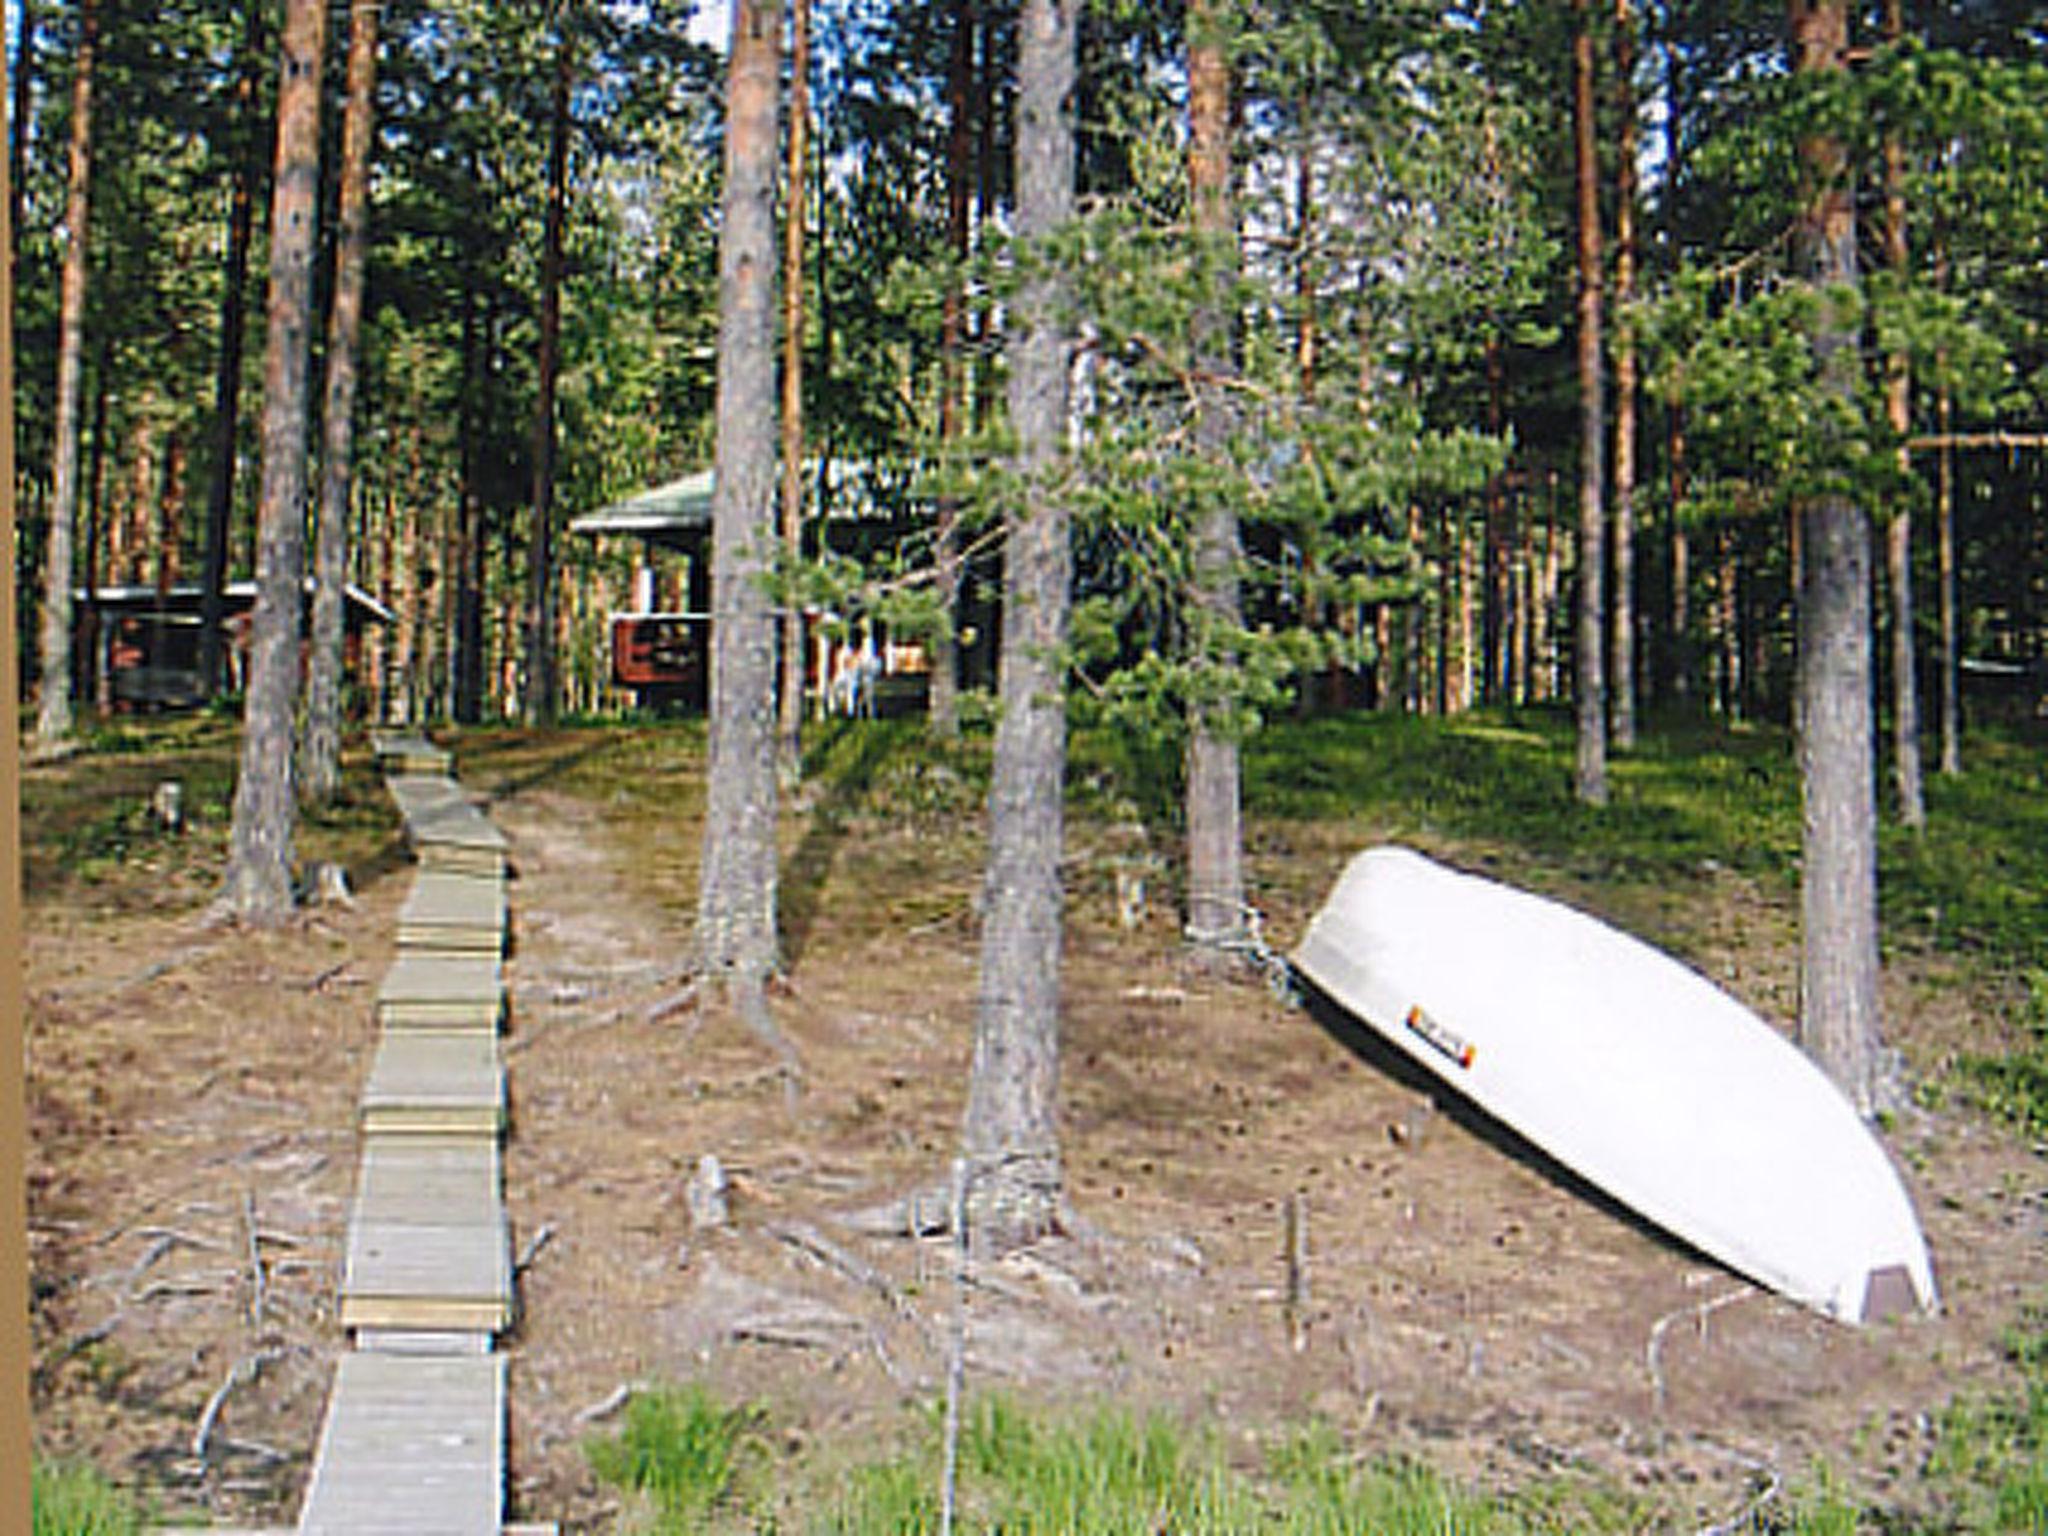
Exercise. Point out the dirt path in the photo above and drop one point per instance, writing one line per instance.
(1459, 1301)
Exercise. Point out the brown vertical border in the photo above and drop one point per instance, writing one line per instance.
(14, 1432)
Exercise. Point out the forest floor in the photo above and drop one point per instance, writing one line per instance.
(192, 1091)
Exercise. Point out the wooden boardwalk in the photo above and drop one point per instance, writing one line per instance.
(410, 1444)
(413, 1440)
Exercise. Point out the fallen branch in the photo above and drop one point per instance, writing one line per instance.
(259, 1285)
(245, 1370)
(810, 1241)
(76, 1345)
(531, 1251)
(921, 1213)
(674, 1003)
(176, 1287)
(784, 1337)
(611, 1402)
(321, 980)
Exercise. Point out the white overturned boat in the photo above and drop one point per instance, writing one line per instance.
(1630, 1069)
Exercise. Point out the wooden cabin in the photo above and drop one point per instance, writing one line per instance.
(144, 640)
(662, 653)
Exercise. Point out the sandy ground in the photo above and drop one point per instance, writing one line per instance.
(192, 1153)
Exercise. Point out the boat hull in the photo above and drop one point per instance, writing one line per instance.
(1630, 1069)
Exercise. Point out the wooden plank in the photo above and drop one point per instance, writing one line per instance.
(425, 1341)
(407, 1181)
(452, 858)
(409, 752)
(452, 912)
(410, 1445)
(423, 794)
(424, 1083)
(417, 1275)
(431, 991)
(455, 823)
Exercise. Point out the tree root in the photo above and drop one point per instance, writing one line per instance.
(1699, 1312)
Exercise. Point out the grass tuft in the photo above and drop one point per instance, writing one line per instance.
(71, 1500)
(681, 1448)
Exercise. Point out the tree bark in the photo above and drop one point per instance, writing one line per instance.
(539, 696)
(458, 635)
(1945, 576)
(94, 632)
(791, 751)
(736, 893)
(227, 377)
(1681, 650)
(1216, 905)
(53, 713)
(944, 706)
(18, 131)
(1839, 1015)
(1011, 1132)
(1898, 404)
(1623, 606)
(1497, 637)
(259, 883)
(1590, 779)
(321, 749)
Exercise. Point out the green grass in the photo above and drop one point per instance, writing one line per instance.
(682, 1450)
(1108, 1472)
(73, 1500)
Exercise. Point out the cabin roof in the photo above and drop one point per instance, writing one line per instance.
(186, 596)
(677, 509)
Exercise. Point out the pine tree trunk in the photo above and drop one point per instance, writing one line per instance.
(321, 748)
(1683, 653)
(1497, 640)
(1216, 904)
(791, 733)
(1623, 614)
(736, 893)
(1011, 1132)
(227, 377)
(95, 634)
(944, 707)
(53, 713)
(458, 635)
(541, 684)
(1898, 402)
(1839, 1017)
(18, 133)
(1590, 781)
(259, 873)
(1945, 576)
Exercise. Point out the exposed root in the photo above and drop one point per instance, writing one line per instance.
(245, 1370)
(1698, 1313)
